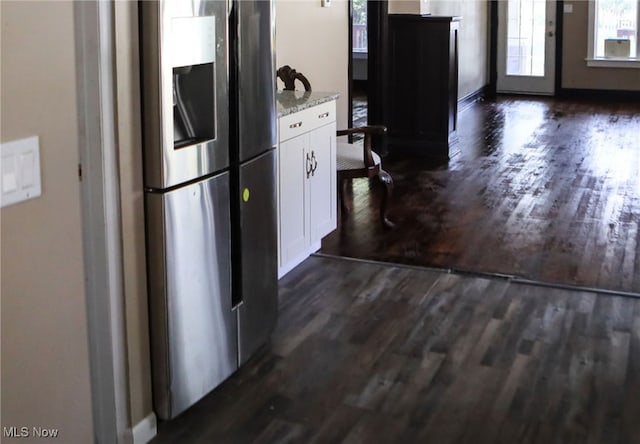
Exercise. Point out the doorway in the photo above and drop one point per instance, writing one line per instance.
(358, 53)
(526, 47)
(367, 45)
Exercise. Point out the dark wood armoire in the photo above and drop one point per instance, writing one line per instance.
(422, 76)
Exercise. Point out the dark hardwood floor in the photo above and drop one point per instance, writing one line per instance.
(542, 188)
(376, 353)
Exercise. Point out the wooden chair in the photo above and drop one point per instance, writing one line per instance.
(354, 161)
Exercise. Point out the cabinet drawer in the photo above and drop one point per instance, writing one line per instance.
(307, 120)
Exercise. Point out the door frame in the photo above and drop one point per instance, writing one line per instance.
(350, 65)
(493, 47)
(100, 203)
(377, 33)
(377, 44)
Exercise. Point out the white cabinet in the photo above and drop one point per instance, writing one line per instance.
(306, 183)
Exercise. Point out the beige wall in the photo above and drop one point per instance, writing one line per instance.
(408, 6)
(45, 361)
(575, 73)
(132, 210)
(314, 41)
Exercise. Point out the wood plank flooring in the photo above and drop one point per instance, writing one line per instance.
(546, 189)
(375, 353)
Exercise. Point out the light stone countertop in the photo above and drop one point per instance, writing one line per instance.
(289, 102)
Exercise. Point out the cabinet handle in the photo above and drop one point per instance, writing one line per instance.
(315, 163)
(323, 115)
(308, 167)
(295, 125)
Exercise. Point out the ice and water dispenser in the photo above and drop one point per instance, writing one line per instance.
(193, 80)
(185, 91)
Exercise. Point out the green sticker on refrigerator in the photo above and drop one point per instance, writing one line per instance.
(245, 195)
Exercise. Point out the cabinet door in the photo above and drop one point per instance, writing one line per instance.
(322, 183)
(293, 199)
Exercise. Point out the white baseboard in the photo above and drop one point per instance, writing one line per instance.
(295, 262)
(145, 430)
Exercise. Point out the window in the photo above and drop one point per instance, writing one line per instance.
(526, 34)
(613, 33)
(359, 25)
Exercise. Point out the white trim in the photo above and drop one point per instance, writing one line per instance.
(145, 430)
(293, 263)
(591, 31)
(101, 220)
(613, 63)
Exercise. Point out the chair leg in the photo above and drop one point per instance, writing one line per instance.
(386, 180)
(343, 190)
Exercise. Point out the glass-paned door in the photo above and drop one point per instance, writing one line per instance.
(526, 46)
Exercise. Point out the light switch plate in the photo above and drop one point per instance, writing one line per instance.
(20, 171)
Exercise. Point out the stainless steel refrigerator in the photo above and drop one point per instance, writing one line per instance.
(208, 94)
